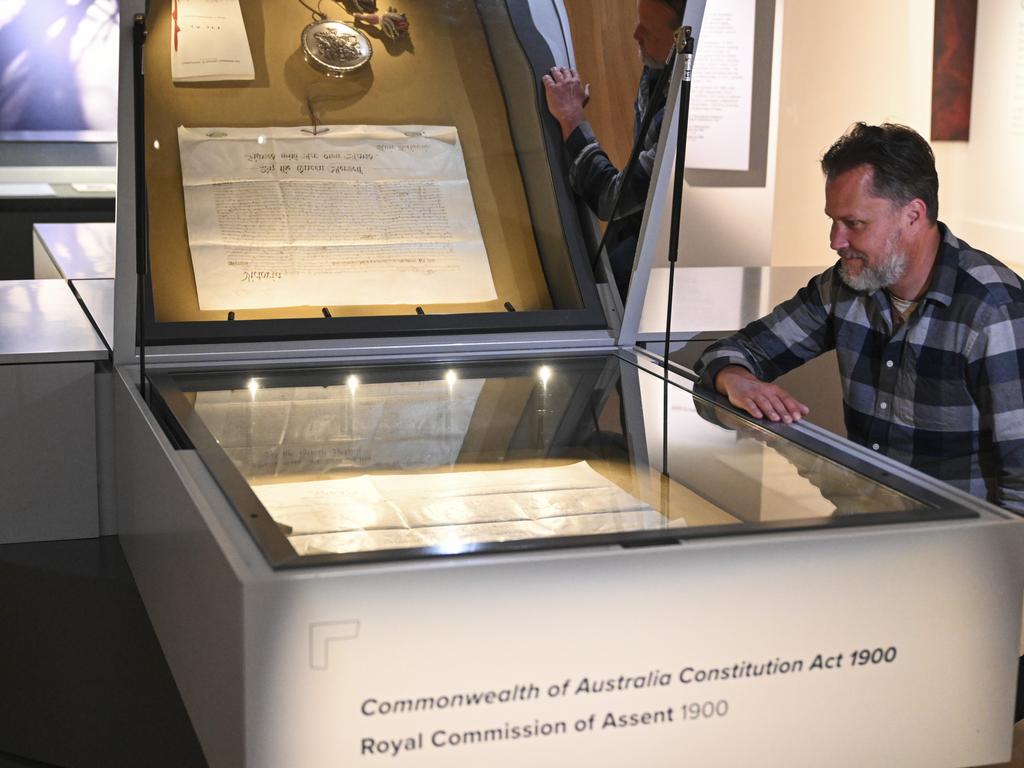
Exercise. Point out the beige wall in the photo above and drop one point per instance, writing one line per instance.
(871, 61)
(835, 63)
(992, 205)
(841, 62)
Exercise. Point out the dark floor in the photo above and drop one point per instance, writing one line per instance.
(82, 679)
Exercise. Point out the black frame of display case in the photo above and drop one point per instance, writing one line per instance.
(189, 432)
(572, 276)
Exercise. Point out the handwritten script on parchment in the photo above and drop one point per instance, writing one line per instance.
(359, 215)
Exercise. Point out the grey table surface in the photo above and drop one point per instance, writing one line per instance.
(708, 302)
(79, 251)
(41, 321)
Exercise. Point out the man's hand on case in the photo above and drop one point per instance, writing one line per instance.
(758, 398)
(566, 96)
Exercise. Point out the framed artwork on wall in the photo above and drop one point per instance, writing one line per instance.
(953, 69)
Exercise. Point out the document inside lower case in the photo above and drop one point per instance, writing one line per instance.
(454, 509)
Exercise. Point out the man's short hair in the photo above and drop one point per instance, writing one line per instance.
(902, 161)
(676, 5)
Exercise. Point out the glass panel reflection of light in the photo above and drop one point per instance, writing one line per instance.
(63, 70)
(9, 10)
(752, 473)
(56, 28)
(452, 546)
(452, 459)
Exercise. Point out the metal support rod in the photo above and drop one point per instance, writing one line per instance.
(141, 197)
(685, 45)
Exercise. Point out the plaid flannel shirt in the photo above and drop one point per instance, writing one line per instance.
(942, 394)
(591, 173)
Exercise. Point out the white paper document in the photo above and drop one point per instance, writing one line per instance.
(208, 42)
(27, 190)
(453, 509)
(718, 135)
(94, 187)
(359, 215)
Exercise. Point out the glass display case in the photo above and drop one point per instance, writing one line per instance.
(380, 451)
(385, 462)
(337, 558)
(422, 189)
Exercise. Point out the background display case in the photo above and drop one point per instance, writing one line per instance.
(57, 127)
(494, 535)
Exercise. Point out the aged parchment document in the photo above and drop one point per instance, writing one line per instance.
(358, 215)
(453, 509)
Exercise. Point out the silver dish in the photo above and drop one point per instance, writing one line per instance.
(335, 48)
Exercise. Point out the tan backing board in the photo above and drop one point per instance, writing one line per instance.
(442, 75)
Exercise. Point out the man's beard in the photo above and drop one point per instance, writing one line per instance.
(649, 61)
(892, 268)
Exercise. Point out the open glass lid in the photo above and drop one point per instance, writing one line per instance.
(350, 168)
(434, 459)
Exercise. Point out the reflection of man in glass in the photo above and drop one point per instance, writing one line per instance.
(928, 331)
(591, 173)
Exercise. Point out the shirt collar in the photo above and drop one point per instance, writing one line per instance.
(947, 265)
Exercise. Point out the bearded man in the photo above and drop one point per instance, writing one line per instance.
(928, 332)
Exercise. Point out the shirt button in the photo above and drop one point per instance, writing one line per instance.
(874, 446)
(883, 406)
(888, 363)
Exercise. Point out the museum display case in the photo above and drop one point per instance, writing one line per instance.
(389, 484)
(456, 561)
(385, 462)
(417, 190)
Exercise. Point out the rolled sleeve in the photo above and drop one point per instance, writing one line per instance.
(716, 358)
(594, 178)
(581, 137)
(793, 333)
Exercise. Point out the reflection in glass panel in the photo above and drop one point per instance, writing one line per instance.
(444, 458)
(58, 81)
(756, 474)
